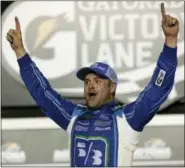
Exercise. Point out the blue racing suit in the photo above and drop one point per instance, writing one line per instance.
(106, 136)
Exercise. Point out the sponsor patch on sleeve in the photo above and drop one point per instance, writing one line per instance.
(160, 77)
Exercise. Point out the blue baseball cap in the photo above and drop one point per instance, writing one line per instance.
(101, 69)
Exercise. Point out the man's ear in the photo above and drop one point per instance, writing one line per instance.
(113, 87)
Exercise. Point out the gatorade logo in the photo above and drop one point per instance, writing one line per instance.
(62, 36)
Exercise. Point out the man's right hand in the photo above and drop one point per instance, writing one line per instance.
(15, 39)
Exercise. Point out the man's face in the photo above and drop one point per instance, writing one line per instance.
(97, 90)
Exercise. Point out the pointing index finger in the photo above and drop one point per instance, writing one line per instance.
(163, 11)
(17, 24)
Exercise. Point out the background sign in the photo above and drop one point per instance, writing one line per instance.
(44, 143)
(63, 36)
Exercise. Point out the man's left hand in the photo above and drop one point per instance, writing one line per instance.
(170, 25)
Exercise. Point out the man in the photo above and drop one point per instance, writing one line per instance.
(102, 133)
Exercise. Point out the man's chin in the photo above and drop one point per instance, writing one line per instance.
(92, 105)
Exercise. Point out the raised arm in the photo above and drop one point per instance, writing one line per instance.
(141, 111)
(52, 104)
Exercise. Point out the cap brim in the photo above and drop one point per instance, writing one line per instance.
(81, 73)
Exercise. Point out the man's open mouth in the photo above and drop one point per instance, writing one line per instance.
(92, 95)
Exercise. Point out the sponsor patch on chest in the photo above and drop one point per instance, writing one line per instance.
(102, 128)
(100, 123)
(81, 128)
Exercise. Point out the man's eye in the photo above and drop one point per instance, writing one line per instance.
(98, 81)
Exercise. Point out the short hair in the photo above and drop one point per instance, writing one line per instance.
(109, 83)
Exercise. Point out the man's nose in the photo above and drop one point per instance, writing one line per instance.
(91, 85)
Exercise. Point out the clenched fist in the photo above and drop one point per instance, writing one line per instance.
(15, 39)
